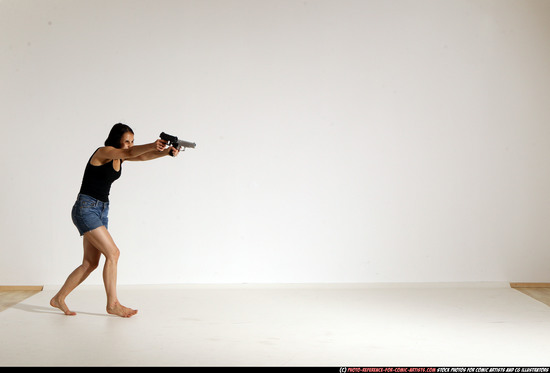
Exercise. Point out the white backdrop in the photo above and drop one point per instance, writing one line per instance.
(337, 141)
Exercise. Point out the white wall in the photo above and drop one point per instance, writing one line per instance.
(337, 141)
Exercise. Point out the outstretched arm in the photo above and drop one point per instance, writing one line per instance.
(108, 153)
(154, 155)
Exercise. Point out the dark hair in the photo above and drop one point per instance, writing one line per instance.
(116, 133)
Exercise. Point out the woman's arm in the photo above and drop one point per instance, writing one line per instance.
(154, 155)
(107, 153)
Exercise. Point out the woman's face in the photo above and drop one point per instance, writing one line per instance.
(127, 140)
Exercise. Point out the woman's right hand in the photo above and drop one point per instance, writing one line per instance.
(160, 145)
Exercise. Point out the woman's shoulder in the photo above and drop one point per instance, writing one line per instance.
(106, 152)
(101, 156)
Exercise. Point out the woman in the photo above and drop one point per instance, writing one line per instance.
(90, 213)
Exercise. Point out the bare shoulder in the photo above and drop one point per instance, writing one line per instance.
(104, 155)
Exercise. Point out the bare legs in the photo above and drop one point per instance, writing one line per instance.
(89, 263)
(96, 242)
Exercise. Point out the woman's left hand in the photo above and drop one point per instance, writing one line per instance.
(174, 151)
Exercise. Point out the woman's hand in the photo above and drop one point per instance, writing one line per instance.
(174, 151)
(160, 145)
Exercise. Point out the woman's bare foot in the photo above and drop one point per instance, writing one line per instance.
(119, 310)
(60, 303)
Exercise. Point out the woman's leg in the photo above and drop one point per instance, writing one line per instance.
(89, 263)
(101, 239)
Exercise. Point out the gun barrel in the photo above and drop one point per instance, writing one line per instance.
(186, 144)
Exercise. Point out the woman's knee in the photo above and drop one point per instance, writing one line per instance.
(90, 266)
(102, 240)
(114, 254)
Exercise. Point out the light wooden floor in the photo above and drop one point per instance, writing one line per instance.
(9, 298)
(540, 294)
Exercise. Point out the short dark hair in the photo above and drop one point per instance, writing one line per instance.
(116, 133)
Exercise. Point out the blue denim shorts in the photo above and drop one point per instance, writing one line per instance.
(89, 213)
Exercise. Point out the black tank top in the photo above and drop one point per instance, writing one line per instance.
(97, 180)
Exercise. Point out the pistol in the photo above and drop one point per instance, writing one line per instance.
(176, 143)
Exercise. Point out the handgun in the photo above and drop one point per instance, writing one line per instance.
(176, 143)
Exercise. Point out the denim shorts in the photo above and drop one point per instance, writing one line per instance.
(89, 213)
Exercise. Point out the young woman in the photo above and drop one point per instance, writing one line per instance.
(90, 213)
